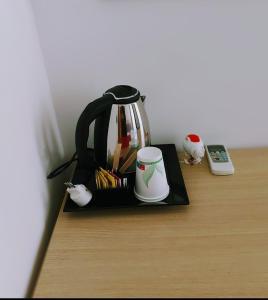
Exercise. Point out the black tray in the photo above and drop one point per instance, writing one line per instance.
(118, 198)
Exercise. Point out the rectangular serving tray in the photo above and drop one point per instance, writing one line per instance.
(119, 198)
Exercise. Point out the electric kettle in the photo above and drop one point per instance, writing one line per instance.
(121, 129)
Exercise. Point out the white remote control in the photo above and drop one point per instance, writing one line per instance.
(219, 160)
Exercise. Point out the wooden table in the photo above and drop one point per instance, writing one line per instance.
(215, 247)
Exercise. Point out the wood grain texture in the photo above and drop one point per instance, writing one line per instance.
(215, 247)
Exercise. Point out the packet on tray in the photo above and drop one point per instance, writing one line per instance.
(108, 180)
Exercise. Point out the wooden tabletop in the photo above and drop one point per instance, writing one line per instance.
(215, 247)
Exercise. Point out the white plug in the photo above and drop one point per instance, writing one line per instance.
(79, 194)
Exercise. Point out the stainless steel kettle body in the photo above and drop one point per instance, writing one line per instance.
(128, 132)
(121, 129)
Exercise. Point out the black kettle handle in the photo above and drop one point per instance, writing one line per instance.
(92, 111)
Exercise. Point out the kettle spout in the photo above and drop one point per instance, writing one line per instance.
(143, 98)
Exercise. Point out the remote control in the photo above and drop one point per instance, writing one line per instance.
(219, 160)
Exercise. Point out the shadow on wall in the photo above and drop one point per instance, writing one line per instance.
(50, 154)
(74, 104)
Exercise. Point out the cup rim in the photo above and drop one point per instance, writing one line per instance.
(153, 199)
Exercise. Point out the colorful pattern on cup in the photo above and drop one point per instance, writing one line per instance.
(149, 169)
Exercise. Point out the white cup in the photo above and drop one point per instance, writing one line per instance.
(151, 181)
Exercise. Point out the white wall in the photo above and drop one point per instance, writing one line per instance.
(203, 64)
(30, 146)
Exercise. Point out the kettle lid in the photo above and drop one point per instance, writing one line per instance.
(123, 94)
